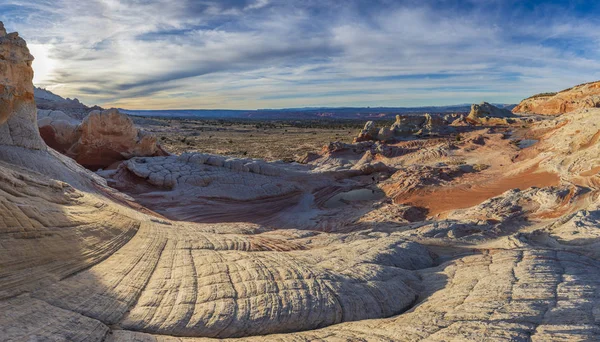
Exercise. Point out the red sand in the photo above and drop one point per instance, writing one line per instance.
(468, 195)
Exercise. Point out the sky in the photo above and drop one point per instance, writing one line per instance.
(249, 54)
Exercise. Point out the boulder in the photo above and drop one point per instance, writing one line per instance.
(58, 130)
(100, 140)
(385, 134)
(106, 137)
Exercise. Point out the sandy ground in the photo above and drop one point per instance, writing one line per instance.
(268, 140)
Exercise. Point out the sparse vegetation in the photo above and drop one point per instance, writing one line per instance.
(480, 167)
(541, 95)
(273, 140)
(579, 85)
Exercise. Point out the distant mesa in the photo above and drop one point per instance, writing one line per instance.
(582, 96)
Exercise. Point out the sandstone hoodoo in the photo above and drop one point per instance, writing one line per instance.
(585, 95)
(17, 106)
(474, 238)
(100, 140)
(408, 126)
(414, 126)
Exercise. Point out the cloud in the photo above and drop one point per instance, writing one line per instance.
(260, 53)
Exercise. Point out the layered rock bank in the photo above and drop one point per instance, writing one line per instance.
(581, 96)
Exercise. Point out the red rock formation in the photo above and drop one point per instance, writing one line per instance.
(100, 140)
(582, 96)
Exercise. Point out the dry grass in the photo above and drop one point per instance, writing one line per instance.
(254, 139)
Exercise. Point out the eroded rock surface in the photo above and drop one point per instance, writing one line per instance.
(408, 126)
(582, 96)
(17, 106)
(472, 239)
(415, 126)
(485, 113)
(100, 140)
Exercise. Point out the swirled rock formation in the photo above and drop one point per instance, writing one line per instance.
(475, 239)
(581, 96)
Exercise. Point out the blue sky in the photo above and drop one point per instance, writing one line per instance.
(247, 54)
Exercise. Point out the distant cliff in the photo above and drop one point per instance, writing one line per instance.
(45, 99)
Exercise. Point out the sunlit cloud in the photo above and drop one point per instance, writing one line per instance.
(43, 65)
(271, 54)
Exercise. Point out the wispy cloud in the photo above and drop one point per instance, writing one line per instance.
(261, 53)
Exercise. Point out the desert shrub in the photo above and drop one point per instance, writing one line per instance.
(540, 95)
(480, 167)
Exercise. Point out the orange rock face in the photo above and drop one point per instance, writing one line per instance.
(17, 104)
(581, 96)
(102, 139)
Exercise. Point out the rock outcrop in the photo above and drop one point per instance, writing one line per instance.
(46, 100)
(100, 140)
(582, 96)
(17, 105)
(369, 132)
(488, 114)
(58, 130)
(407, 126)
